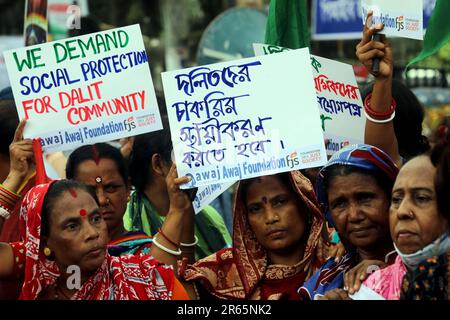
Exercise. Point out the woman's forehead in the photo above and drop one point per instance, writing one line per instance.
(264, 186)
(418, 166)
(417, 170)
(88, 170)
(67, 204)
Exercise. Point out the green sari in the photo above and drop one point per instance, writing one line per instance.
(210, 228)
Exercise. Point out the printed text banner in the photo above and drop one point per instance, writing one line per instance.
(399, 20)
(338, 98)
(84, 90)
(242, 119)
(207, 194)
(341, 19)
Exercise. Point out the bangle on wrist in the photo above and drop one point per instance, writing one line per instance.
(8, 199)
(375, 114)
(163, 248)
(190, 244)
(378, 120)
(167, 238)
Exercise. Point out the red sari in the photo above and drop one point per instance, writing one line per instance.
(10, 289)
(242, 272)
(127, 277)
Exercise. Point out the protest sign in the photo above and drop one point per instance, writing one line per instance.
(207, 194)
(338, 97)
(240, 119)
(84, 90)
(399, 20)
(341, 19)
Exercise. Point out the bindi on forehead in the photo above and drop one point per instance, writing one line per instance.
(98, 180)
(264, 199)
(95, 155)
(73, 193)
(83, 212)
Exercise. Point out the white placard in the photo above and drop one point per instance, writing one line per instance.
(207, 194)
(245, 118)
(339, 100)
(400, 18)
(84, 90)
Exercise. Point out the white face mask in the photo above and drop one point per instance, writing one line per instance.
(438, 247)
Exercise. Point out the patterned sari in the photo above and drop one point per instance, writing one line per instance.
(133, 242)
(243, 272)
(10, 288)
(127, 277)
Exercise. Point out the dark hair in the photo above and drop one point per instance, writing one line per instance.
(6, 94)
(440, 157)
(94, 152)
(336, 170)
(409, 115)
(53, 194)
(145, 146)
(8, 124)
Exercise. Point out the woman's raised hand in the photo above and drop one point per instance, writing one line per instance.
(21, 159)
(179, 200)
(368, 49)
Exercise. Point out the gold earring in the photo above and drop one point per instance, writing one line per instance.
(47, 251)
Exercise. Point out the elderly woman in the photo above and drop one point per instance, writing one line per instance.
(64, 228)
(429, 281)
(418, 228)
(102, 167)
(354, 189)
(277, 242)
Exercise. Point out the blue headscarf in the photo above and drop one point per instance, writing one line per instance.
(362, 156)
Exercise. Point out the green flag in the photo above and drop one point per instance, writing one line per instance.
(287, 25)
(438, 31)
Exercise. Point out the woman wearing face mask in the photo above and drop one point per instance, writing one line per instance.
(419, 229)
(430, 280)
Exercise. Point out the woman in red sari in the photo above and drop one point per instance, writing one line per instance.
(277, 243)
(64, 228)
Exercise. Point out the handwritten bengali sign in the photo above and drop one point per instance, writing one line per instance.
(399, 20)
(339, 100)
(83, 90)
(240, 119)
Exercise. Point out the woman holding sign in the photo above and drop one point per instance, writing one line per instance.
(150, 161)
(393, 125)
(277, 242)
